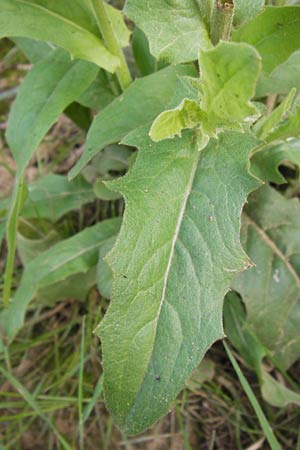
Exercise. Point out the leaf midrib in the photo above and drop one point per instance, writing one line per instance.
(169, 265)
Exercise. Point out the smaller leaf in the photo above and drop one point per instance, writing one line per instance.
(264, 127)
(287, 129)
(229, 73)
(265, 163)
(29, 249)
(283, 78)
(176, 30)
(103, 192)
(119, 26)
(276, 394)
(139, 104)
(75, 255)
(171, 123)
(53, 196)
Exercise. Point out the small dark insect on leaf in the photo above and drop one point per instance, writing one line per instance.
(157, 378)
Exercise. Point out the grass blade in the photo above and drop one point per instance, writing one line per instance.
(274, 444)
(80, 386)
(32, 403)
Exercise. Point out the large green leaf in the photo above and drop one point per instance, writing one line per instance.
(173, 263)
(271, 290)
(275, 33)
(141, 102)
(69, 24)
(176, 29)
(47, 90)
(75, 255)
(229, 73)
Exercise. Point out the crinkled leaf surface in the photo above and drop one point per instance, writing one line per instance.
(140, 103)
(229, 73)
(176, 29)
(75, 255)
(265, 164)
(275, 33)
(47, 90)
(171, 123)
(173, 263)
(69, 24)
(271, 290)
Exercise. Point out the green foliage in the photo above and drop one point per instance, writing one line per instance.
(156, 257)
(210, 119)
(275, 33)
(68, 24)
(156, 91)
(75, 255)
(176, 30)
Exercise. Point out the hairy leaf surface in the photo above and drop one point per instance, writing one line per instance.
(173, 263)
(271, 290)
(275, 33)
(140, 103)
(176, 29)
(247, 9)
(68, 24)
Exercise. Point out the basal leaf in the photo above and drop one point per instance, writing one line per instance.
(48, 89)
(75, 255)
(275, 33)
(229, 73)
(68, 24)
(53, 196)
(173, 263)
(139, 104)
(171, 123)
(253, 352)
(176, 29)
(265, 163)
(277, 394)
(271, 290)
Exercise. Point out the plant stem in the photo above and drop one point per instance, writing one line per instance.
(11, 235)
(221, 22)
(111, 42)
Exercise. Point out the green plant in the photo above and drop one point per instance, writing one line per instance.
(213, 113)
